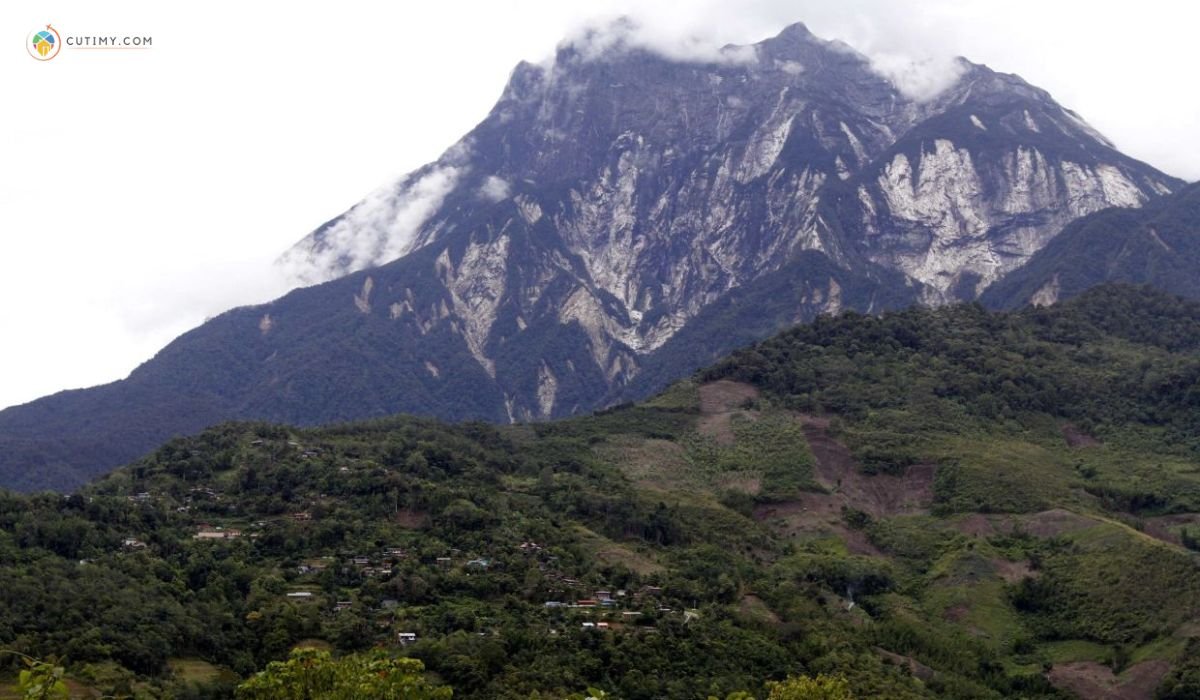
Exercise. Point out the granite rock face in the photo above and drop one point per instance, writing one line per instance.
(667, 184)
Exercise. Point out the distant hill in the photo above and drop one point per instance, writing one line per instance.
(1158, 245)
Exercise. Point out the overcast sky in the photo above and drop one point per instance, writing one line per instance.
(143, 191)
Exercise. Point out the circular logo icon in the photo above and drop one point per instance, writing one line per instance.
(44, 44)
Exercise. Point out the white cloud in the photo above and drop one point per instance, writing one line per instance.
(678, 41)
(920, 72)
(918, 78)
(791, 67)
(377, 230)
(495, 189)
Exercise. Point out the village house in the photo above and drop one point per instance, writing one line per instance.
(300, 595)
(133, 543)
(650, 591)
(311, 567)
(406, 638)
(217, 533)
(343, 605)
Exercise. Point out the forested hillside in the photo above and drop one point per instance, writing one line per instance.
(943, 503)
(1158, 245)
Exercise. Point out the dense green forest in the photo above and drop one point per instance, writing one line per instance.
(943, 503)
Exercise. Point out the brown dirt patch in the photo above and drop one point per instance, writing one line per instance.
(1013, 571)
(856, 541)
(916, 668)
(1093, 681)
(816, 514)
(1077, 438)
(724, 395)
(956, 613)
(615, 553)
(755, 608)
(744, 482)
(1160, 527)
(811, 509)
(821, 513)
(622, 556)
(881, 494)
(412, 519)
(718, 426)
(1052, 523)
(1048, 523)
(1188, 630)
(979, 525)
(719, 401)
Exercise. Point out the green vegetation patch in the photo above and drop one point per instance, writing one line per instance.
(771, 447)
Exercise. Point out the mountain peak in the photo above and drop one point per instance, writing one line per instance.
(796, 41)
(797, 33)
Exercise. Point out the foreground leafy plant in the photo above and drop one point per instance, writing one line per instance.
(40, 680)
(309, 674)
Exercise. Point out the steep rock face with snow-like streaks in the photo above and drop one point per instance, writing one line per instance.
(668, 184)
(971, 195)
